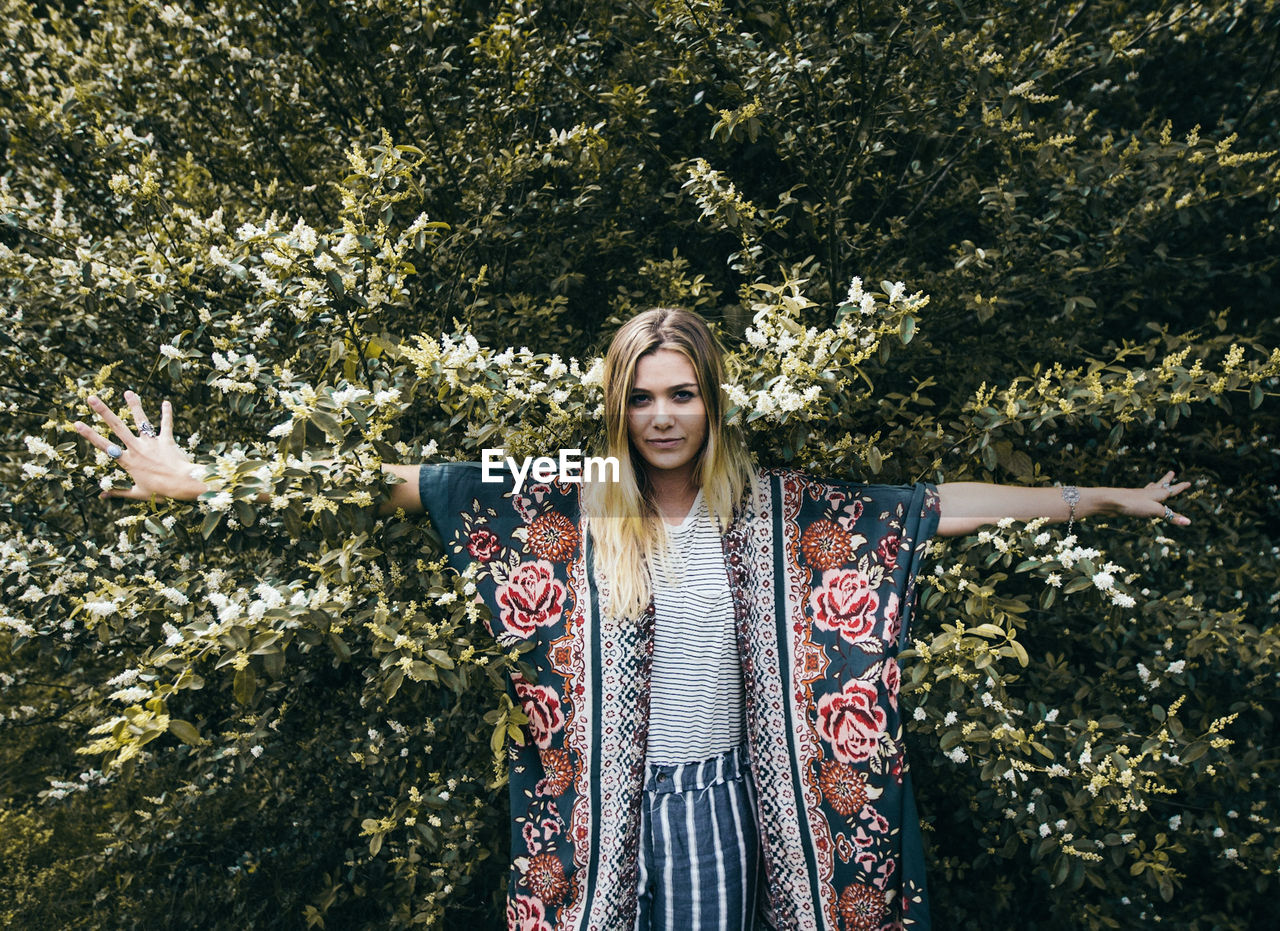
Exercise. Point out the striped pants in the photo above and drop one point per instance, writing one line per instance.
(699, 847)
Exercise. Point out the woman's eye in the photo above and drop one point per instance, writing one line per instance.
(637, 400)
(684, 395)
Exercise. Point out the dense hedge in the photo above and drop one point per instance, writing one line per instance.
(1019, 242)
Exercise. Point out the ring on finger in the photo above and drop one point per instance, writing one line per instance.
(1162, 484)
(1168, 513)
(115, 451)
(147, 430)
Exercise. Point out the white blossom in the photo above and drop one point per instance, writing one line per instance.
(102, 608)
(38, 447)
(175, 596)
(131, 695)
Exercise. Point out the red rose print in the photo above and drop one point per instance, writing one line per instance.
(526, 914)
(892, 620)
(887, 551)
(545, 878)
(531, 598)
(879, 823)
(559, 769)
(862, 908)
(890, 676)
(552, 536)
(851, 721)
(846, 604)
(826, 546)
(482, 544)
(850, 515)
(532, 838)
(885, 870)
(541, 705)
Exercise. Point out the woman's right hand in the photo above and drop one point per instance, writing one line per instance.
(157, 465)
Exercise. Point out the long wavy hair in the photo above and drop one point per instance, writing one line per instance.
(626, 529)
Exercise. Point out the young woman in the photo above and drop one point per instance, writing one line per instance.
(714, 737)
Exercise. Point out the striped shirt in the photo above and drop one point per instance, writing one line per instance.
(697, 707)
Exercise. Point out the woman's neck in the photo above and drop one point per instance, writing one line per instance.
(673, 495)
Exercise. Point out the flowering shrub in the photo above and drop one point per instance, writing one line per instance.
(344, 235)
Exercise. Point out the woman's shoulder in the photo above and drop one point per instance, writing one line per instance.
(446, 486)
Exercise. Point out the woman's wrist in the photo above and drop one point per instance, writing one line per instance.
(1099, 501)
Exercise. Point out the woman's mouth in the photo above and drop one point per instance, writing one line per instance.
(668, 443)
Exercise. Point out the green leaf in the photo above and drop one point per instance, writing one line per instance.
(1076, 585)
(209, 523)
(339, 647)
(185, 731)
(265, 643)
(246, 684)
(875, 460)
(245, 512)
(1195, 751)
(440, 658)
(335, 283)
(328, 423)
(907, 329)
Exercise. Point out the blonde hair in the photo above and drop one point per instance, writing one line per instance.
(626, 529)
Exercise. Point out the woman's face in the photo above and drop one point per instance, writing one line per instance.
(666, 416)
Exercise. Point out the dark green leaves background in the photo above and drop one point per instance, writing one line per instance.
(1086, 192)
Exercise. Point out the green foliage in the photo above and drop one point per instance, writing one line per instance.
(317, 228)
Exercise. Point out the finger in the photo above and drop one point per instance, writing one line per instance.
(1178, 489)
(92, 435)
(133, 493)
(135, 407)
(115, 423)
(166, 420)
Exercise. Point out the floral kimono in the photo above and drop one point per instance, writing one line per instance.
(822, 575)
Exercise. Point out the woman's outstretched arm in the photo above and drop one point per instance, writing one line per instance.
(160, 468)
(966, 506)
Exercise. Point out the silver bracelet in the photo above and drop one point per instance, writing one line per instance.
(1071, 495)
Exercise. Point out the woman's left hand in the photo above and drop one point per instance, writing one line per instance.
(1149, 500)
